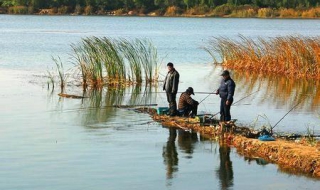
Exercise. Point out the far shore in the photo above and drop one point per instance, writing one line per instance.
(237, 12)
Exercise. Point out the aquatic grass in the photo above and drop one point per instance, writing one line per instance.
(80, 61)
(131, 53)
(112, 59)
(51, 79)
(310, 137)
(149, 60)
(61, 73)
(116, 61)
(294, 56)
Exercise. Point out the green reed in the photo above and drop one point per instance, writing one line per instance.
(61, 73)
(111, 61)
(294, 56)
(131, 53)
(50, 79)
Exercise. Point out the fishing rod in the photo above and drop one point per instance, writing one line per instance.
(236, 102)
(110, 106)
(245, 97)
(285, 116)
(165, 92)
(207, 96)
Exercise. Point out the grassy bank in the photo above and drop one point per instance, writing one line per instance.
(293, 56)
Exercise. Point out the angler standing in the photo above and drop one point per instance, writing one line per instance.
(170, 85)
(226, 92)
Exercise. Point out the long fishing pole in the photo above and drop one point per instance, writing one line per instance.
(165, 92)
(104, 107)
(245, 97)
(236, 102)
(285, 115)
(207, 97)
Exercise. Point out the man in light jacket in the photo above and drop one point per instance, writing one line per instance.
(170, 85)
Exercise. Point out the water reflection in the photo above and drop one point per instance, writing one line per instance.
(258, 161)
(225, 171)
(99, 107)
(186, 141)
(281, 91)
(170, 154)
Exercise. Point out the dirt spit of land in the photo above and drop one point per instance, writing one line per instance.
(293, 156)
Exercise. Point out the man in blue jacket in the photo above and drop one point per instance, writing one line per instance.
(226, 92)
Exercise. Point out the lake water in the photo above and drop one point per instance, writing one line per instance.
(47, 142)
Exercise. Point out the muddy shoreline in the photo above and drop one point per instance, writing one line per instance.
(292, 156)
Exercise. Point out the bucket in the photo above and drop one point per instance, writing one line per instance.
(162, 110)
(202, 119)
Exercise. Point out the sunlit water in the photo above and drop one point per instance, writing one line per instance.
(47, 142)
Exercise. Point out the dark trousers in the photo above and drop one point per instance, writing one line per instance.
(171, 97)
(225, 110)
(190, 109)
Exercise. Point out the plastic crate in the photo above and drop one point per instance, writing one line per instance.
(162, 110)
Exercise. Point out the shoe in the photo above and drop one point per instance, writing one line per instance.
(172, 114)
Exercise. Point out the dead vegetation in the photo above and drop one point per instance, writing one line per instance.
(294, 156)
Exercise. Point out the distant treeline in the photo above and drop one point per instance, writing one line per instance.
(219, 8)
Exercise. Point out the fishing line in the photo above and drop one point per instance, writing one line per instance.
(285, 115)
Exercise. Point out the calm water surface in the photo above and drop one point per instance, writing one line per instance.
(47, 142)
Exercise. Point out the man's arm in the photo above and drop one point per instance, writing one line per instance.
(231, 87)
(175, 83)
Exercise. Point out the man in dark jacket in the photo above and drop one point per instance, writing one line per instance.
(226, 92)
(170, 85)
(188, 106)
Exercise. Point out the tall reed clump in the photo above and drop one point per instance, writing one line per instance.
(294, 56)
(115, 61)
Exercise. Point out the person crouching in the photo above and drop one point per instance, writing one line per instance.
(187, 106)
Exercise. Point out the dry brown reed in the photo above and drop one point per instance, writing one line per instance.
(294, 56)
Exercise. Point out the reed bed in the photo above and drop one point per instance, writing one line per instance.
(294, 56)
(115, 61)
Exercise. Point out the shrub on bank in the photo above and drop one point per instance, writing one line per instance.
(311, 13)
(289, 13)
(119, 12)
(22, 10)
(266, 13)
(63, 10)
(173, 11)
(78, 10)
(198, 10)
(249, 13)
(88, 10)
(223, 10)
